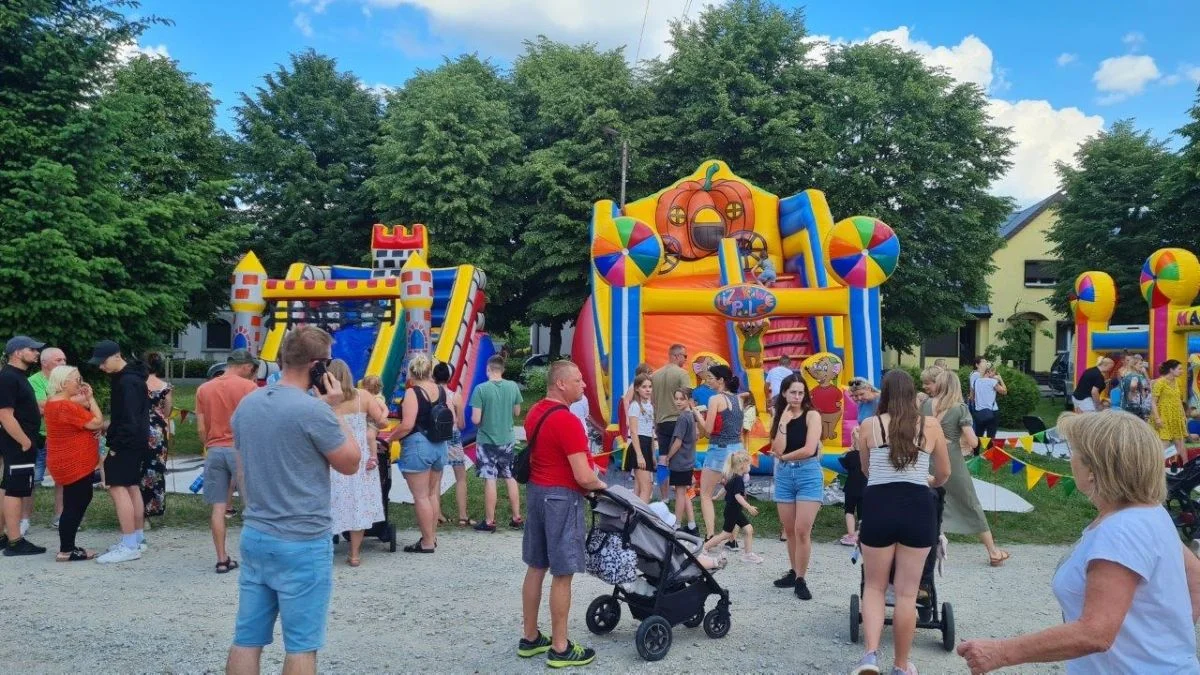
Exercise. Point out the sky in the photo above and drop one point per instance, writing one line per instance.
(1056, 72)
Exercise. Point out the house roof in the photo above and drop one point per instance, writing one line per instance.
(1019, 219)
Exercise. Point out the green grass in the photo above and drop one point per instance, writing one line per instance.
(187, 440)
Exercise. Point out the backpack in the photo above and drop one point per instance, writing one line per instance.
(521, 467)
(441, 418)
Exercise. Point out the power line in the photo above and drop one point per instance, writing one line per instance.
(687, 8)
(638, 54)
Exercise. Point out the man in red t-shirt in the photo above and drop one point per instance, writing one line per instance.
(560, 475)
(215, 402)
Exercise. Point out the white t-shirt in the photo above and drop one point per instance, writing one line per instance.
(775, 378)
(644, 412)
(580, 409)
(985, 393)
(1157, 635)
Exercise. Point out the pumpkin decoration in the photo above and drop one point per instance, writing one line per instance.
(699, 214)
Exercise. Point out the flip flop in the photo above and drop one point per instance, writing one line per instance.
(998, 560)
(466, 522)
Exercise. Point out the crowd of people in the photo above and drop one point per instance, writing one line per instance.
(314, 471)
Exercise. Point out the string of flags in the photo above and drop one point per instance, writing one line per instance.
(181, 414)
(996, 457)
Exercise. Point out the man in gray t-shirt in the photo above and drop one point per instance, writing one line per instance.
(285, 441)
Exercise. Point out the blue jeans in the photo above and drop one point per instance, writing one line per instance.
(289, 579)
(39, 468)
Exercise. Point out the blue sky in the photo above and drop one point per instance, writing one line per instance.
(1056, 71)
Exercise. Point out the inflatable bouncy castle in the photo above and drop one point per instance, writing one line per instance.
(740, 277)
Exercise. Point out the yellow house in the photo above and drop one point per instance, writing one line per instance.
(1020, 286)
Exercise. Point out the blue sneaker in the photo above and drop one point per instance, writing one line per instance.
(869, 663)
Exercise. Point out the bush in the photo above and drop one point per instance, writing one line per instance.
(197, 367)
(512, 368)
(1021, 400)
(535, 381)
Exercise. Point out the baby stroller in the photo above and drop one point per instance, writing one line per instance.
(382, 530)
(928, 615)
(1181, 504)
(672, 583)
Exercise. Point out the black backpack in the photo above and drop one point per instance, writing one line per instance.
(441, 418)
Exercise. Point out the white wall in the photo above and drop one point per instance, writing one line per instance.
(539, 338)
(192, 343)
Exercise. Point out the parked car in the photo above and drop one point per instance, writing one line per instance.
(265, 370)
(1061, 380)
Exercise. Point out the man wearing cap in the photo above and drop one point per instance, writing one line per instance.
(51, 358)
(128, 443)
(215, 402)
(20, 421)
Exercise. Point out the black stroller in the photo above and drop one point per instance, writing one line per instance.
(382, 530)
(928, 614)
(1181, 504)
(678, 585)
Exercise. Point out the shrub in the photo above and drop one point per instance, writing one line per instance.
(512, 368)
(197, 367)
(535, 381)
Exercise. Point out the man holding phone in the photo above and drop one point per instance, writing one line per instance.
(285, 442)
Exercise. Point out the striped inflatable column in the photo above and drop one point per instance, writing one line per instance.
(866, 342)
(625, 343)
(1092, 303)
(804, 222)
(1169, 282)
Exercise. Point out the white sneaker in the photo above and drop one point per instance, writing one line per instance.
(24, 526)
(119, 554)
(142, 547)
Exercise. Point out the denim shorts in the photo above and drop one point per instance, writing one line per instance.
(420, 454)
(291, 579)
(800, 481)
(714, 457)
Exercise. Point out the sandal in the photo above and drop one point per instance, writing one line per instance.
(417, 548)
(77, 555)
(999, 560)
(443, 520)
(466, 522)
(353, 562)
(226, 566)
(516, 523)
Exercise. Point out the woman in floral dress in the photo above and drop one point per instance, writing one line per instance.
(356, 501)
(154, 482)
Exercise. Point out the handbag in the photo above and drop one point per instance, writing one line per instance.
(608, 559)
(521, 467)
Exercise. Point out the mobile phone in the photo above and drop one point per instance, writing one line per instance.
(316, 377)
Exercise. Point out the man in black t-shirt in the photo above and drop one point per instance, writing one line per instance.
(1091, 384)
(20, 423)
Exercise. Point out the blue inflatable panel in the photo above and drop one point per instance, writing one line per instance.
(343, 272)
(353, 345)
(485, 351)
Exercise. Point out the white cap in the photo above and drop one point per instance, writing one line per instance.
(661, 510)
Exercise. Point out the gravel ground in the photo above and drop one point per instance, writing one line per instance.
(169, 612)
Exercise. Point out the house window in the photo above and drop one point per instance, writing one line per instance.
(943, 345)
(218, 335)
(1062, 336)
(1041, 273)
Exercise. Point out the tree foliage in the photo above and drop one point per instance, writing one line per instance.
(1112, 217)
(306, 135)
(1180, 186)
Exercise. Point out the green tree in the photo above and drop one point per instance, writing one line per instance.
(446, 158)
(177, 233)
(916, 150)
(61, 275)
(305, 156)
(566, 100)
(1180, 187)
(1110, 219)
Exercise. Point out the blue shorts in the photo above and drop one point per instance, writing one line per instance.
(291, 579)
(800, 481)
(714, 457)
(419, 454)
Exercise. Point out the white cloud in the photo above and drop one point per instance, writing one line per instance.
(1043, 135)
(130, 50)
(318, 6)
(1186, 73)
(303, 24)
(1120, 77)
(968, 61)
(1066, 58)
(1134, 40)
(500, 26)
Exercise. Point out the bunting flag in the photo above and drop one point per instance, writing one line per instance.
(1040, 437)
(1017, 466)
(1051, 479)
(984, 443)
(1027, 443)
(1010, 442)
(1068, 485)
(181, 413)
(996, 457)
(1032, 476)
(975, 466)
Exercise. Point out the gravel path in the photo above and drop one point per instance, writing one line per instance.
(169, 612)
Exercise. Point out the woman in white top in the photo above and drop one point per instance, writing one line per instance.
(899, 512)
(639, 454)
(984, 390)
(1129, 590)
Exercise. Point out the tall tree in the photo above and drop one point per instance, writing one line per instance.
(305, 156)
(567, 98)
(446, 158)
(918, 151)
(1180, 188)
(61, 270)
(176, 228)
(1110, 220)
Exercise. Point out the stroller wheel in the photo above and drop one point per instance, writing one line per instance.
(391, 535)
(947, 627)
(653, 638)
(696, 619)
(855, 618)
(716, 623)
(603, 614)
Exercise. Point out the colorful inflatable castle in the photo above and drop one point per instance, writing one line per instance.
(378, 316)
(1169, 283)
(740, 277)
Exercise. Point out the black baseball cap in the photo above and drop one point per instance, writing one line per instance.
(239, 357)
(103, 350)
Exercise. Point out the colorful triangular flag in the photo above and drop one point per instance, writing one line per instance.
(1032, 476)
(1017, 466)
(1010, 442)
(975, 466)
(1027, 443)
(1052, 479)
(1068, 485)
(984, 443)
(1040, 437)
(996, 457)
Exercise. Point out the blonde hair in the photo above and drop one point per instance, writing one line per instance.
(1123, 453)
(736, 464)
(58, 377)
(949, 392)
(372, 384)
(931, 373)
(341, 372)
(420, 367)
